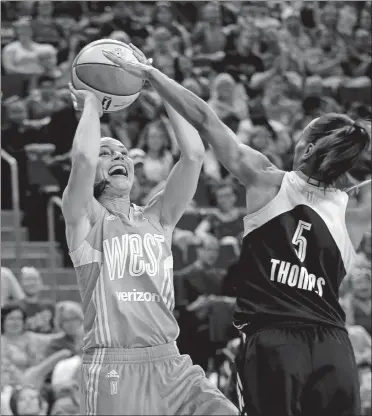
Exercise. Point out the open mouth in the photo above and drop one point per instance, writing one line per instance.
(118, 171)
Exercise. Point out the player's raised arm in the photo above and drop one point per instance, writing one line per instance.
(78, 200)
(182, 181)
(241, 160)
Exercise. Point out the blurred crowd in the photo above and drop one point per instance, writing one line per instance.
(266, 68)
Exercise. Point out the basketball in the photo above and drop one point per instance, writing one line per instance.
(115, 87)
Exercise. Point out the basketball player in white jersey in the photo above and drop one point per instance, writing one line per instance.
(123, 260)
(299, 243)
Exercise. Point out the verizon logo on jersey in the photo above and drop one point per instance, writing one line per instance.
(135, 296)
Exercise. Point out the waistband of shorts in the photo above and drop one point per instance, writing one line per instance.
(137, 355)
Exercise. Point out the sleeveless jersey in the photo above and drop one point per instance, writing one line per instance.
(124, 269)
(296, 251)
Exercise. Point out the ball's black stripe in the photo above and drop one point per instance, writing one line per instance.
(97, 63)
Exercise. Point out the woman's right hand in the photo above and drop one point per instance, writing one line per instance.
(81, 97)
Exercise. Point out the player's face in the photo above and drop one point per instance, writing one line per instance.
(115, 167)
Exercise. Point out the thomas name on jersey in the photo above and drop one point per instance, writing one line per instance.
(295, 276)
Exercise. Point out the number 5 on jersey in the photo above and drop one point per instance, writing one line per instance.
(299, 240)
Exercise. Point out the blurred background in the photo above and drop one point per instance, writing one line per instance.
(266, 68)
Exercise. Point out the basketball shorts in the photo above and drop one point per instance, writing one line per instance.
(148, 381)
(297, 370)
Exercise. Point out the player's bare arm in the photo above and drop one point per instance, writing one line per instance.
(248, 165)
(358, 219)
(78, 204)
(182, 181)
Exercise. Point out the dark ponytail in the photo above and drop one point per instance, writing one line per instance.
(99, 188)
(338, 144)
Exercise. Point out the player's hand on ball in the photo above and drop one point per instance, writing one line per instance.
(139, 69)
(81, 97)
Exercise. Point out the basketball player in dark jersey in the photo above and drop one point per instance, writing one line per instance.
(123, 261)
(299, 243)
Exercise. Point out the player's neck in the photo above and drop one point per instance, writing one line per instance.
(115, 204)
(313, 179)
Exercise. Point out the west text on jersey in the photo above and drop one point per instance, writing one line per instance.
(134, 254)
(295, 276)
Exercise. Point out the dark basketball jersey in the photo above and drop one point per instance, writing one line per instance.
(296, 251)
(125, 275)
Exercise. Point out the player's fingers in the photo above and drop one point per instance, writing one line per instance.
(138, 51)
(112, 57)
(71, 88)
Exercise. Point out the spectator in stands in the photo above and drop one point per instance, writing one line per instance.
(10, 288)
(163, 16)
(194, 282)
(69, 321)
(121, 20)
(201, 277)
(21, 55)
(227, 221)
(44, 27)
(23, 352)
(28, 400)
(39, 312)
(158, 161)
(225, 100)
(44, 102)
(165, 56)
(208, 36)
(67, 400)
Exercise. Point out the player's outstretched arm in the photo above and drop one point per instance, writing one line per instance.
(241, 160)
(182, 181)
(78, 200)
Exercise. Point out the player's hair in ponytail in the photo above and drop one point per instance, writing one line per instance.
(338, 143)
(99, 188)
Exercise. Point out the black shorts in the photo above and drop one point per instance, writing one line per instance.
(306, 370)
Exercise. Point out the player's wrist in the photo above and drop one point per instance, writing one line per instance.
(94, 103)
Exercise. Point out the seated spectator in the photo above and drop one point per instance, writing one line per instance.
(163, 16)
(21, 55)
(326, 59)
(22, 352)
(191, 283)
(69, 322)
(44, 102)
(39, 312)
(122, 20)
(293, 38)
(11, 290)
(199, 278)
(28, 400)
(227, 220)
(158, 161)
(208, 36)
(359, 59)
(224, 98)
(44, 27)
(163, 53)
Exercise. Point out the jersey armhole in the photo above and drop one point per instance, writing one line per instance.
(73, 254)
